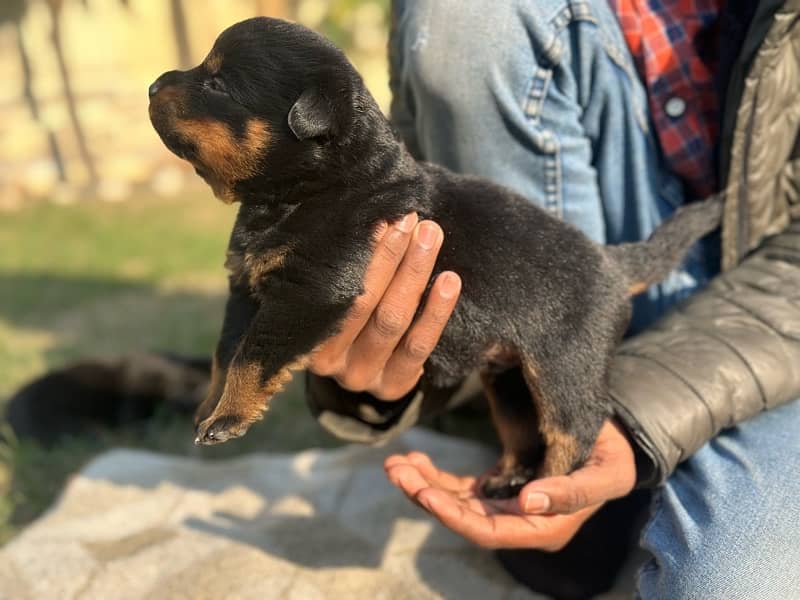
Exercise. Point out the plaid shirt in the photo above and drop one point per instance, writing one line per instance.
(674, 44)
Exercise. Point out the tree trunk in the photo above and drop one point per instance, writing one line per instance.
(69, 96)
(33, 104)
(181, 33)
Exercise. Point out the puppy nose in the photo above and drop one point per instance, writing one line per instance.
(154, 87)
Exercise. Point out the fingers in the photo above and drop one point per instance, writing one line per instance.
(329, 359)
(397, 465)
(404, 366)
(437, 477)
(392, 316)
(368, 354)
(452, 500)
(405, 476)
(548, 533)
(609, 473)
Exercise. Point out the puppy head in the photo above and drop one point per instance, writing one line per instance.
(270, 103)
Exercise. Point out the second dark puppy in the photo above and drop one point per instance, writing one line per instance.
(277, 119)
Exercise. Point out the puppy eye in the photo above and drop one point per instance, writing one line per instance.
(216, 84)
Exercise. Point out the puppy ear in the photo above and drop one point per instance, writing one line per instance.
(312, 116)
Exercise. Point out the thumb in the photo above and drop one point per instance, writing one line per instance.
(593, 484)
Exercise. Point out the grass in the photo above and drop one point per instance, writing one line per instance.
(107, 279)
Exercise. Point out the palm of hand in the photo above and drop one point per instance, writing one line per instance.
(571, 499)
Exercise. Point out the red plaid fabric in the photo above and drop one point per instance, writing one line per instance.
(674, 44)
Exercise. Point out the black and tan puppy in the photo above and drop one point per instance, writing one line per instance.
(277, 119)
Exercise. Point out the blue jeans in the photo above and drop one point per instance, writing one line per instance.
(543, 97)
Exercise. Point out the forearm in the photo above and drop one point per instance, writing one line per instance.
(727, 354)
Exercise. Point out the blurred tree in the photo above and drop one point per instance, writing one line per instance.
(55, 6)
(13, 11)
(181, 33)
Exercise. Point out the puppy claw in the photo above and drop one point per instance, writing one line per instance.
(217, 430)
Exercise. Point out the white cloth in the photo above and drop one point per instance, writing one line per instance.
(318, 524)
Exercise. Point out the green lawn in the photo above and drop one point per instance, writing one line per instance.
(106, 279)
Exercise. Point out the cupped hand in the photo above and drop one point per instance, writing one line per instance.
(381, 349)
(546, 514)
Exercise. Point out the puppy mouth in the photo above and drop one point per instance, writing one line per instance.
(179, 146)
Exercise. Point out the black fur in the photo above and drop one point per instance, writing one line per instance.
(534, 287)
(108, 393)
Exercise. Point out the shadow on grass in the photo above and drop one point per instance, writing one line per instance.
(48, 320)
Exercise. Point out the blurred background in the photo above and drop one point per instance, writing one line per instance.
(108, 243)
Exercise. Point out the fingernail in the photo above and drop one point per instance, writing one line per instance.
(428, 232)
(536, 502)
(381, 230)
(451, 283)
(406, 224)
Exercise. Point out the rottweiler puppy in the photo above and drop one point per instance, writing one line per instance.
(277, 119)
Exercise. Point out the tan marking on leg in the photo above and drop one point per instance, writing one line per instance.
(561, 448)
(637, 288)
(500, 356)
(561, 454)
(214, 392)
(246, 396)
(516, 437)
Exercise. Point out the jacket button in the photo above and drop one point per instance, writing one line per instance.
(675, 107)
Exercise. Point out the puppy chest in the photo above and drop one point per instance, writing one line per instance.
(250, 266)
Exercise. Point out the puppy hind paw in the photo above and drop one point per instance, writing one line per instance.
(506, 485)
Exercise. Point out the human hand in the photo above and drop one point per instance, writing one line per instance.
(379, 350)
(546, 514)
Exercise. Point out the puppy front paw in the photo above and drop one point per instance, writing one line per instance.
(219, 429)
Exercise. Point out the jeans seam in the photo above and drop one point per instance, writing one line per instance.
(573, 11)
(548, 142)
(553, 176)
(537, 94)
(652, 563)
(582, 11)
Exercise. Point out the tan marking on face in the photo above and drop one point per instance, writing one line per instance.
(637, 288)
(247, 396)
(170, 97)
(562, 451)
(213, 63)
(225, 158)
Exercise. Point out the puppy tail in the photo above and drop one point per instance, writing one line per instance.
(646, 263)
